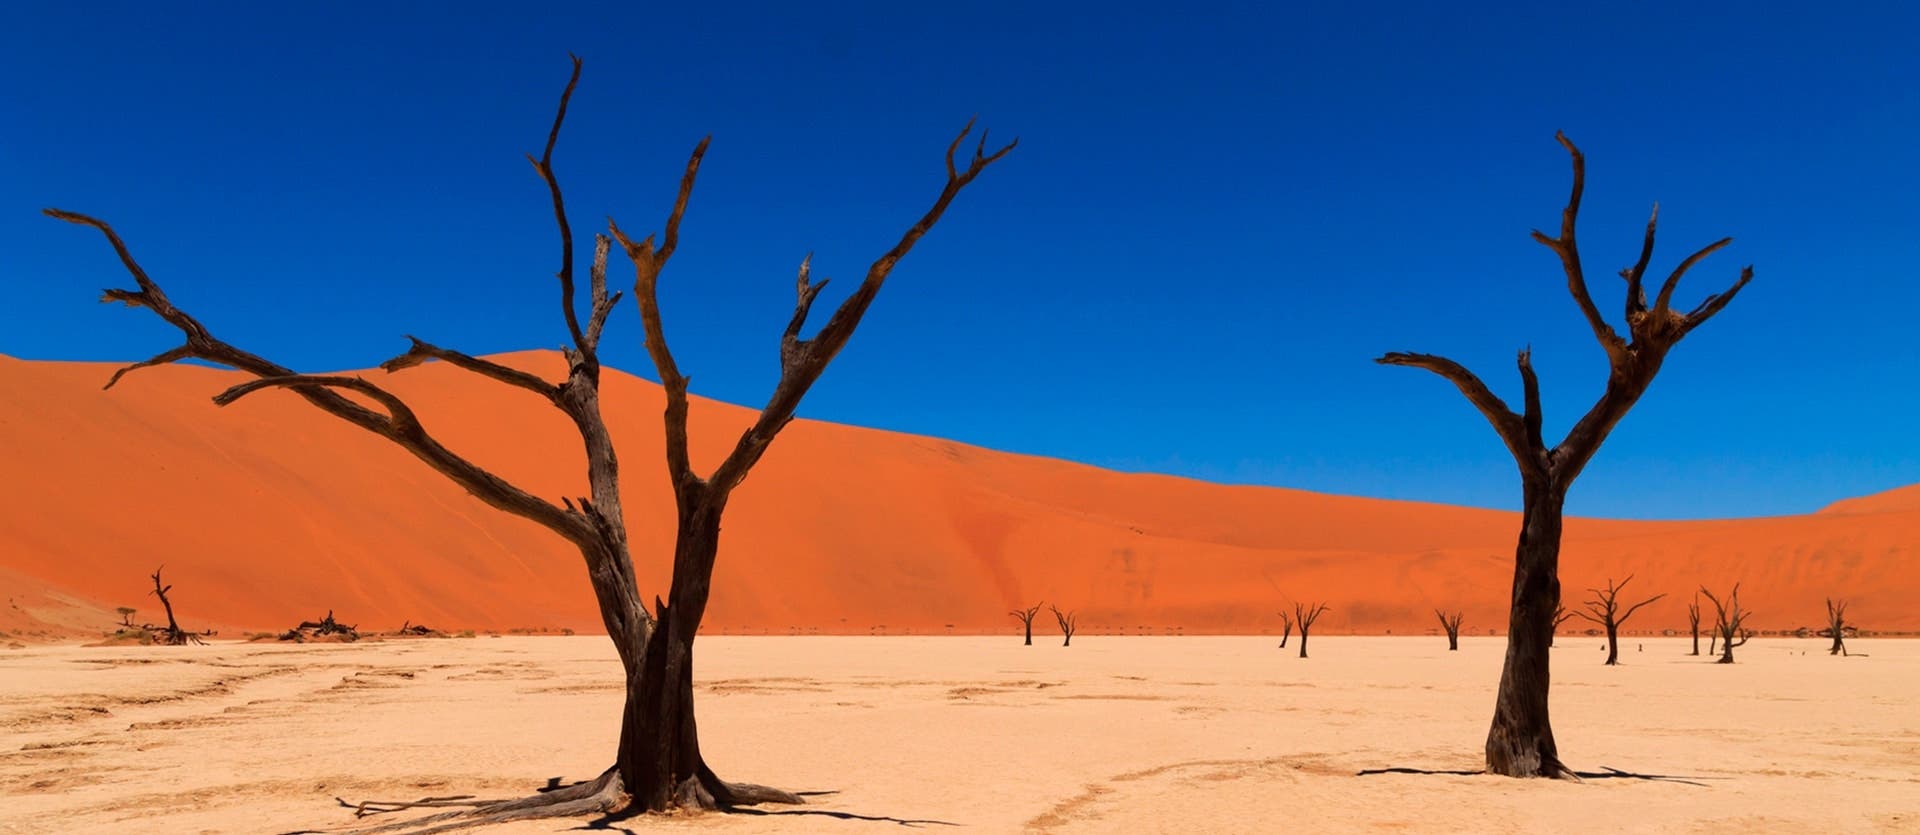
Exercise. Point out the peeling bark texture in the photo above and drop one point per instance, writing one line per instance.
(1520, 743)
(657, 765)
(1604, 609)
(1068, 624)
(1729, 623)
(1837, 626)
(1304, 615)
(1026, 619)
(1451, 623)
(1286, 631)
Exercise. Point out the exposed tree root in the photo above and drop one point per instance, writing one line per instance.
(599, 796)
(603, 795)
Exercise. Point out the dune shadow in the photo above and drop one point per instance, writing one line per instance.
(1609, 773)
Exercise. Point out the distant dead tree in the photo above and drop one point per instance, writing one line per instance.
(1068, 623)
(1560, 616)
(1693, 622)
(1305, 615)
(1450, 623)
(323, 628)
(1286, 631)
(658, 765)
(1729, 623)
(1520, 742)
(1604, 609)
(1837, 626)
(172, 635)
(1026, 619)
(126, 615)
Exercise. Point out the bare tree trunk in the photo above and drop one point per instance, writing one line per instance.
(1520, 742)
(1837, 624)
(1693, 622)
(1452, 626)
(1025, 616)
(1305, 615)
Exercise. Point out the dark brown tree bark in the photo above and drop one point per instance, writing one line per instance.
(658, 765)
(1305, 615)
(1520, 742)
(1450, 623)
(1026, 619)
(1693, 622)
(1286, 631)
(1604, 609)
(173, 635)
(1729, 623)
(1068, 624)
(1837, 626)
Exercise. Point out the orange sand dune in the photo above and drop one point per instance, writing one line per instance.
(268, 511)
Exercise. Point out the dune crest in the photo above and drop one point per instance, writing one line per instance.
(268, 511)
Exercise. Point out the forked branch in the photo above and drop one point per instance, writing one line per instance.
(398, 424)
(802, 359)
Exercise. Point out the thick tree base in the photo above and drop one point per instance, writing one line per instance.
(1514, 757)
(604, 796)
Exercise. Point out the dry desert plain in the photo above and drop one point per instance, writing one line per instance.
(1133, 734)
(266, 514)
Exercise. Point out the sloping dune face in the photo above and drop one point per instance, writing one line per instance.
(268, 512)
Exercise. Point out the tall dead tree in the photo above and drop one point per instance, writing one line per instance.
(1520, 742)
(1026, 619)
(1305, 615)
(1286, 628)
(1836, 626)
(1450, 623)
(1069, 623)
(173, 635)
(1729, 623)
(657, 764)
(1604, 609)
(1693, 622)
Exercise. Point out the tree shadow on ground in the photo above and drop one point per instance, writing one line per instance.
(1610, 773)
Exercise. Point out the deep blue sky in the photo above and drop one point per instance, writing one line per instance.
(1216, 218)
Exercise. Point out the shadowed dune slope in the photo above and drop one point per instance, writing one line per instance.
(268, 511)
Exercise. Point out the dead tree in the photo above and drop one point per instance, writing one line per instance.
(1520, 741)
(1026, 619)
(172, 635)
(1305, 615)
(1693, 622)
(323, 628)
(1836, 626)
(1068, 623)
(1604, 609)
(1286, 628)
(1450, 623)
(1729, 623)
(1560, 616)
(126, 615)
(657, 764)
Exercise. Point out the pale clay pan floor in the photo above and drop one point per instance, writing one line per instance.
(1200, 734)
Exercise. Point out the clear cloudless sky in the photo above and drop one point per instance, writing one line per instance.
(1217, 217)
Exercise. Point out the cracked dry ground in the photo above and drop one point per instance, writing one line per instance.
(1191, 734)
